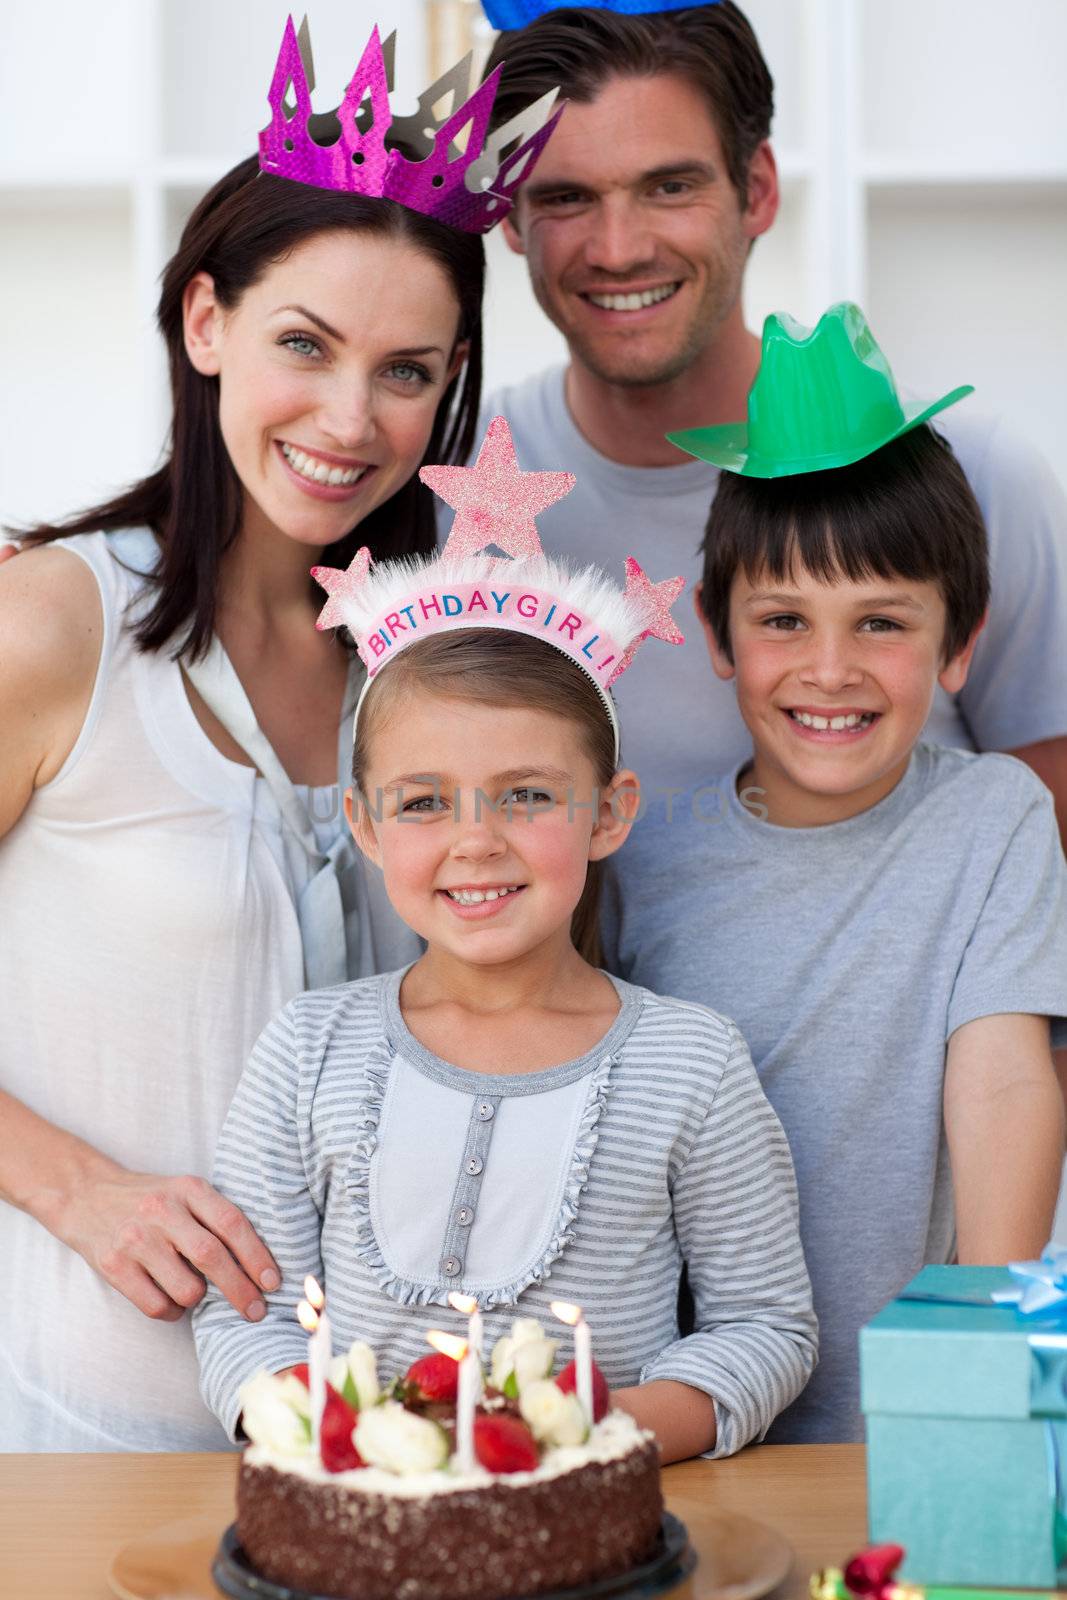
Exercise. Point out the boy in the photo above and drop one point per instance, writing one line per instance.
(886, 921)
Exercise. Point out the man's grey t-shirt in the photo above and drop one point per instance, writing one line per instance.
(678, 720)
(847, 955)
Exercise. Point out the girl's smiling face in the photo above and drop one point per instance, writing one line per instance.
(331, 369)
(484, 820)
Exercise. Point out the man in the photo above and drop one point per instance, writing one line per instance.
(636, 228)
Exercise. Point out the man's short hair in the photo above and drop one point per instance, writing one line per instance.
(907, 511)
(713, 47)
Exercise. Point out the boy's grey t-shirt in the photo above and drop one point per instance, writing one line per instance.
(678, 720)
(847, 955)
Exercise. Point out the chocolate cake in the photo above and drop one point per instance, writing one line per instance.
(357, 1536)
(382, 1501)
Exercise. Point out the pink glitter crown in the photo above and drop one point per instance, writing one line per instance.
(461, 177)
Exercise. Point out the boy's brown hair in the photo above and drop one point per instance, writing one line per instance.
(907, 511)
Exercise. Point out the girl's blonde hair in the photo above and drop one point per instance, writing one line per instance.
(495, 667)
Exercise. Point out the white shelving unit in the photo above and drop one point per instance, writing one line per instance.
(922, 146)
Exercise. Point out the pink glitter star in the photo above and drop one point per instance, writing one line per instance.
(494, 502)
(340, 586)
(654, 600)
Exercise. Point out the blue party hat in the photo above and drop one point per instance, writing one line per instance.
(517, 13)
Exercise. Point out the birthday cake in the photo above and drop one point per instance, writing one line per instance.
(409, 1495)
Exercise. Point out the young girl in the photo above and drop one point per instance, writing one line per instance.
(174, 861)
(501, 1117)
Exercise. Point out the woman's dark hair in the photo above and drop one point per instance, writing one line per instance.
(193, 502)
(712, 47)
(493, 667)
(907, 511)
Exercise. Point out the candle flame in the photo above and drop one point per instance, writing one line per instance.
(307, 1317)
(447, 1344)
(313, 1294)
(567, 1313)
(466, 1303)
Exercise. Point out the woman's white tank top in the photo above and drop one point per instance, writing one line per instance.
(148, 932)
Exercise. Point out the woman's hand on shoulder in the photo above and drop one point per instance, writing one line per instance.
(158, 1241)
(51, 627)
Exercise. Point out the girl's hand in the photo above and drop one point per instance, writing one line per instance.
(156, 1240)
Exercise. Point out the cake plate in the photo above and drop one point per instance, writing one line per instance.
(671, 1561)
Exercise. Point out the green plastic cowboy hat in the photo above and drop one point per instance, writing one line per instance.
(821, 399)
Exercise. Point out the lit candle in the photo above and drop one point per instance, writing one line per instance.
(311, 1313)
(466, 1396)
(583, 1351)
(468, 1305)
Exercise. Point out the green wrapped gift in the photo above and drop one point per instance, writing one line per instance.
(966, 1407)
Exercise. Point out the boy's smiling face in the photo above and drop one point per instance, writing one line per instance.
(835, 682)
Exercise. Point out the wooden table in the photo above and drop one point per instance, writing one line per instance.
(62, 1517)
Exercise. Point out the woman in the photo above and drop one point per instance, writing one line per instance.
(173, 861)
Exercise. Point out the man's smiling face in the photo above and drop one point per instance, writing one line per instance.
(635, 237)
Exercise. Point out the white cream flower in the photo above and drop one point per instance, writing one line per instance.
(526, 1352)
(363, 1365)
(553, 1417)
(387, 1436)
(356, 1375)
(524, 1329)
(533, 1361)
(276, 1413)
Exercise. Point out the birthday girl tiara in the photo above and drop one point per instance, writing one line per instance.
(580, 612)
(460, 176)
(517, 13)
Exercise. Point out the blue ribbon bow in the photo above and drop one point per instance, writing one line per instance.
(1042, 1285)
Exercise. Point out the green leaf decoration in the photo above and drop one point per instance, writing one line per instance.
(511, 1386)
(349, 1392)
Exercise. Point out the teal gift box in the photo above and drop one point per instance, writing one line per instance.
(966, 1408)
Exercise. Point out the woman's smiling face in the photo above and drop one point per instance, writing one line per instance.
(331, 369)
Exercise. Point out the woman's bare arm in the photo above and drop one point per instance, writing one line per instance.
(51, 628)
(154, 1239)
